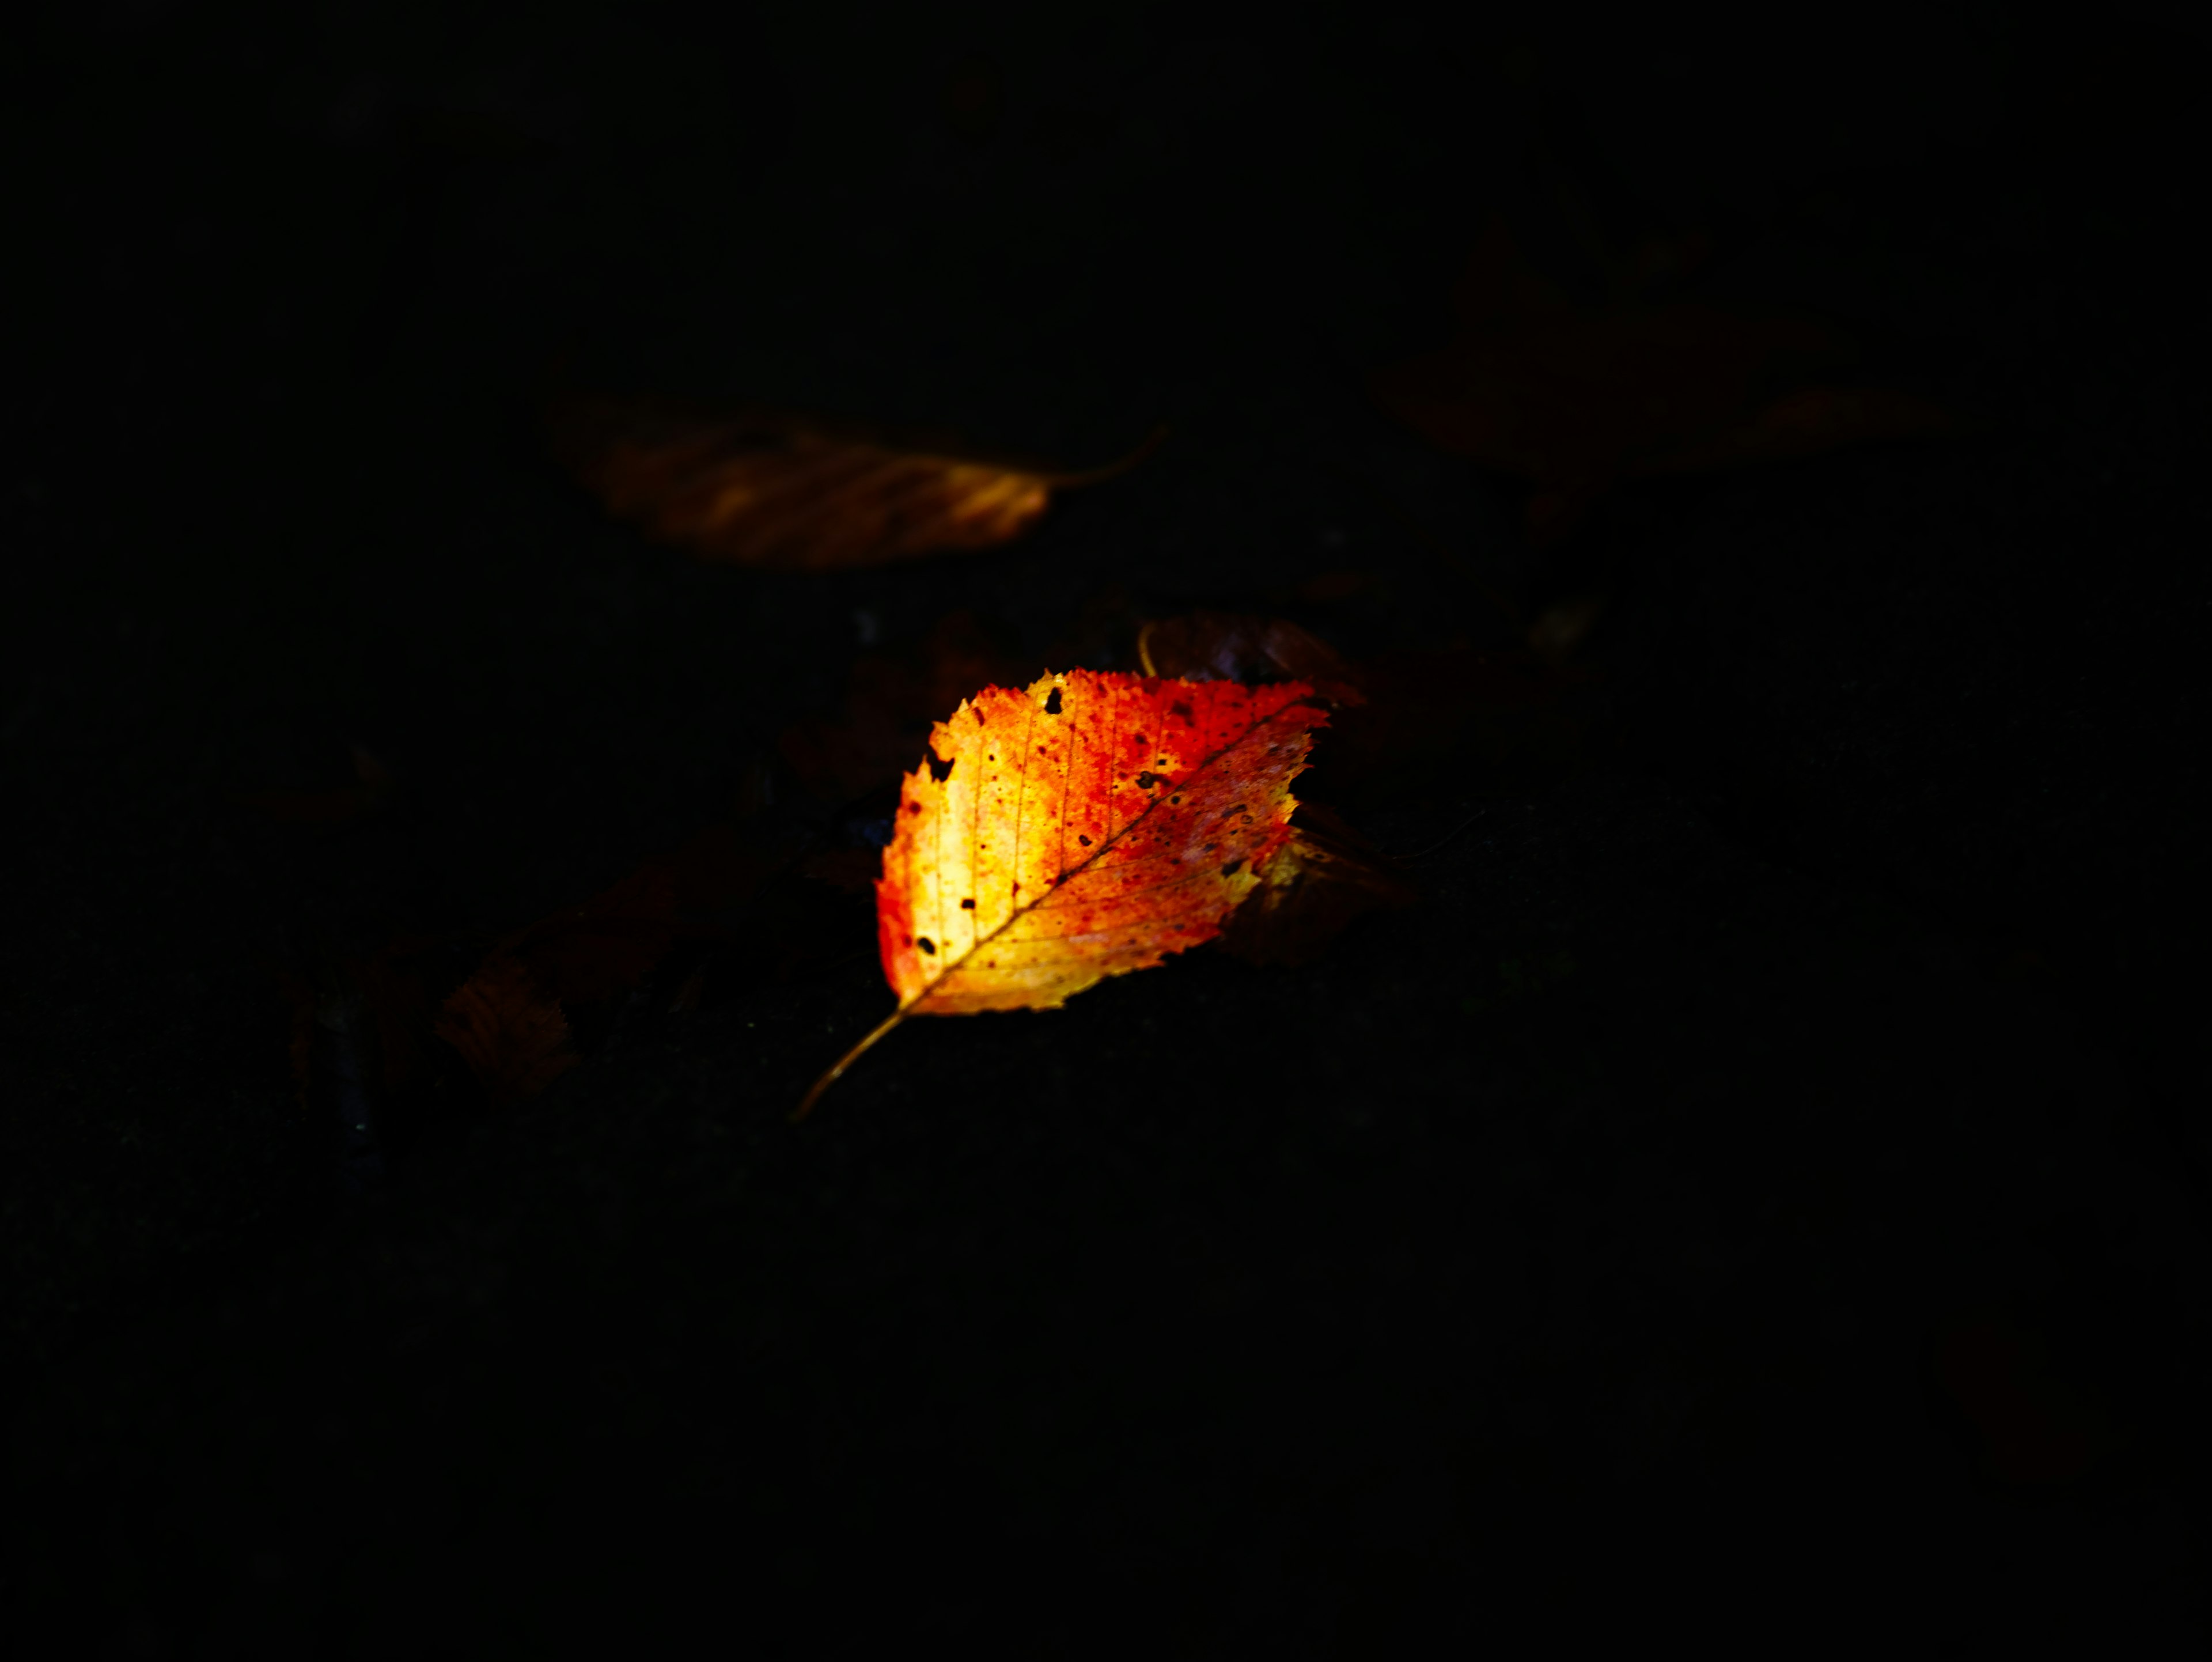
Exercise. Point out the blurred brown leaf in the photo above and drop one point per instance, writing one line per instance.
(509, 1020)
(974, 97)
(512, 1036)
(1576, 399)
(372, 789)
(1564, 625)
(775, 489)
(2035, 1432)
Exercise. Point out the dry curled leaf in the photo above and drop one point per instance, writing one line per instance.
(771, 488)
(1081, 827)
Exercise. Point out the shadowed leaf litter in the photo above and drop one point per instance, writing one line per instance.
(774, 488)
(1577, 399)
(1093, 821)
(373, 790)
(1324, 879)
(892, 700)
(509, 1020)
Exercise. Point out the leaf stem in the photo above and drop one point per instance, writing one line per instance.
(1150, 442)
(806, 1102)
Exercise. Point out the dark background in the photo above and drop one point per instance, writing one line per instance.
(1229, 1311)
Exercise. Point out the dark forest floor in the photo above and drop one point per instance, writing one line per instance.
(1578, 1248)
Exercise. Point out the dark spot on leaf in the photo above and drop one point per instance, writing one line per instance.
(1175, 799)
(1180, 707)
(1230, 870)
(967, 905)
(939, 771)
(927, 945)
(1052, 705)
(1084, 841)
(1146, 781)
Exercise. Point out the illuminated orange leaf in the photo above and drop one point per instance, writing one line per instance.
(769, 488)
(1085, 826)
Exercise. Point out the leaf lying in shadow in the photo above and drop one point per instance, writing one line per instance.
(1325, 877)
(512, 1036)
(973, 98)
(2034, 1431)
(769, 488)
(893, 700)
(1561, 627)
(1218, 646)
(1808, 422)
(1403, 711)
(1425, 708)
(372, 789)
(510, 1019)
(1576, 399)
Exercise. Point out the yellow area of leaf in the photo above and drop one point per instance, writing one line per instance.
(772, 488)
(1083, 826)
